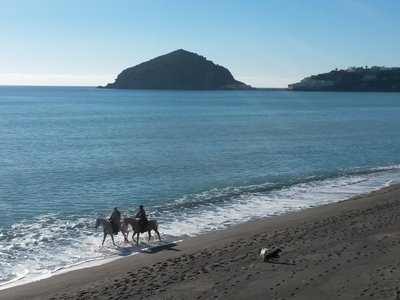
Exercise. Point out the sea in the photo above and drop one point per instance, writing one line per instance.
(198, 161)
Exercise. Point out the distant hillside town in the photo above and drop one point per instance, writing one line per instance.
(376, 78)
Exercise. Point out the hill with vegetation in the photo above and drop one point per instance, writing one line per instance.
(374, 79)
(178, 70)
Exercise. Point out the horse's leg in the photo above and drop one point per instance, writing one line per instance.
(137, 241)
(104, 238)
(133, 235)
(112, 237)
(124, 234)
(125, 238)
(149, 234)
(159, 237)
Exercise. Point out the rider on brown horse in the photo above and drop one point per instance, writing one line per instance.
(142, 219)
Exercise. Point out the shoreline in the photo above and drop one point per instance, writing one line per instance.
(341, 250)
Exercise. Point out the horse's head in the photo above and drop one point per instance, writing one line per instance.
(124, 227)
(97, 223)
(125, 224)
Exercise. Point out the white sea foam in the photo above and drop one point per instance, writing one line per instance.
(248, 206)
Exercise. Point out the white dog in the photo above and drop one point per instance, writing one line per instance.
(263, 253)
(267, 254)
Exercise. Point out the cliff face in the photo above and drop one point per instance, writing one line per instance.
(178, 70)
(375, 79)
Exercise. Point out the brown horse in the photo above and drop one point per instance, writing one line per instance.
(134, 223)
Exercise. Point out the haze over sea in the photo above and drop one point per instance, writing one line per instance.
(197, 161)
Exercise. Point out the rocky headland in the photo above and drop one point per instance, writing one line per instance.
(178, 70)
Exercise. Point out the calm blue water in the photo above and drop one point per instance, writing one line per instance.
(197, 161)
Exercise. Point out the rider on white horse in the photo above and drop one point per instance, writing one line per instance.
(115, 220)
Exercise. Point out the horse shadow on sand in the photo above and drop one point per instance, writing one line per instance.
(145, 248)
(165, 246)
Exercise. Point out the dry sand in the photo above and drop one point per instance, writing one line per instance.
(345, 250)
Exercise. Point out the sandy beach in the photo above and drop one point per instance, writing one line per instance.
(344, 250)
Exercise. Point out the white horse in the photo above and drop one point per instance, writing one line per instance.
(134, 223)
(107, 229)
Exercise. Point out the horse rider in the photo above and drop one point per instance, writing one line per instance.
(115, 220)
(143, 222)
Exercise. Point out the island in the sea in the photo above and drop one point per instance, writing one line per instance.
(178, 70)
(373, 79)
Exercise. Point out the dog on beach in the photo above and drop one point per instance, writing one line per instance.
(267, 254)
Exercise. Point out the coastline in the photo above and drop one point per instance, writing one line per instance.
(343, 250)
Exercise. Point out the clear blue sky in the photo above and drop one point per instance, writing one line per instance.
(263, 43)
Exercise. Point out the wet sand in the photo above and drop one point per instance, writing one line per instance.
(344, 250)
